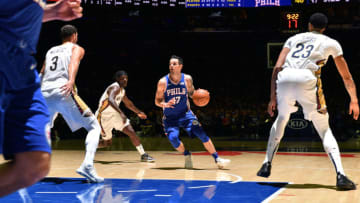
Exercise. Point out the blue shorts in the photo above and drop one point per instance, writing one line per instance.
(185, 121)
(24, 115)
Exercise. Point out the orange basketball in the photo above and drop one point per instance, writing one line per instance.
(201, 97)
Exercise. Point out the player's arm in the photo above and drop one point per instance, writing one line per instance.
(278, 67)
(189, 85)
(130, 105)
(350, 86)
(112, 92)
(76, 56)
(42, 71)
(159, 96)
(63, 10)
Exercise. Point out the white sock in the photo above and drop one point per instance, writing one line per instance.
(276, 133)
(321, 124)
(140, 149)
(91, 143)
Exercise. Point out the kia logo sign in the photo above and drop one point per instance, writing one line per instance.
(297, 124)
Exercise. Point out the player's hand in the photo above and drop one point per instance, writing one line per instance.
(271, 107)
(141, 115)
(354, 109)
(170, 103)
(67, 89)
(68, 10)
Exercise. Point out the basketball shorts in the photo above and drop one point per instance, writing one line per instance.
(109, 121)
(24, 120)
(24, 116)
(72, 108)
(186, 121)
(299, 85)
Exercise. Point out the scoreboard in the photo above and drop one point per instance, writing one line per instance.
(236, 3)
(211, 3)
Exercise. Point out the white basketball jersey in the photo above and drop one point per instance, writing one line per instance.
(103, 103)
(56, 73)
(310, 50)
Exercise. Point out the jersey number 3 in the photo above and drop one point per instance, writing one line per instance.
(300, 49)
(54, 64)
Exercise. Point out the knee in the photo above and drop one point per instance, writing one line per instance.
(174, 140)
(200, 133)
(32, 170)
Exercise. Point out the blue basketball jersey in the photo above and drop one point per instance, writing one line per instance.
(179, 92)
(20, 22)
(20, 25)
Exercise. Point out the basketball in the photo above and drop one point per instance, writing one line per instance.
(201, 97)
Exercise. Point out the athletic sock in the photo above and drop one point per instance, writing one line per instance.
(187, 152)
(140, 149)
(215, 155)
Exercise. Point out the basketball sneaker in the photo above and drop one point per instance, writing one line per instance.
(188, 161)
(222, 162)
(265, 170)
(89, 173)
(344, 183)
(147, 158)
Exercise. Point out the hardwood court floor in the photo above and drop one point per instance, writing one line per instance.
(311, 174)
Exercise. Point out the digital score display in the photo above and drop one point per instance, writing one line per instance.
(210, 3)
(152, 3)
(235, 3)
(328, 1)
(291, 22)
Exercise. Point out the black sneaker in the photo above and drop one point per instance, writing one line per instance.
(343, 183)
(265, 170)
(147, 158)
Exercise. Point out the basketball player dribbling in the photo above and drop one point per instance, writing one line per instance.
(172, 95)
(296, 78)
(58, 87)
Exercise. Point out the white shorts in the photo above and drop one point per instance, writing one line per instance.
(110, 120)
(299, 85)
(72, 108)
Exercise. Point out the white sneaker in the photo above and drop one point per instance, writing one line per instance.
(188, 161)
(222, 162)
(89, 173)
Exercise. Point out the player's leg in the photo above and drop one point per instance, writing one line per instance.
(310, 102)
(77, 114)
(129, 131)
(106, 124)
(26, 139)
(331, 147)
(172, 131)
(286, 105)
(26, 169)
(192, 126)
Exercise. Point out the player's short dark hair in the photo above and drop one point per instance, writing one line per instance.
(318, 20)
(119, 74)
(66, 31)
(181, 61)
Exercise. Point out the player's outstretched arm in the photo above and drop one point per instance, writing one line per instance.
(278, 67)
(130, 105)
(63, 10)
(350, 86)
